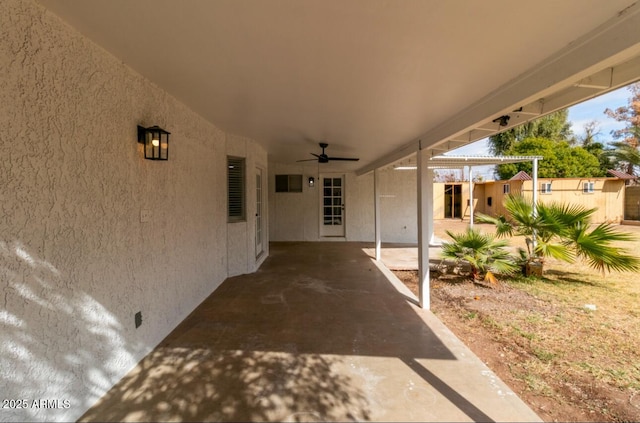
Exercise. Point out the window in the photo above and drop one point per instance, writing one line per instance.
(545, 188)
(588, 187)
(288, 183)
(506, 189)
(236, 188)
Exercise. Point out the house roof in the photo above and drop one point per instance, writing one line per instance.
(374, 79)
(621, 175)
(521, 176)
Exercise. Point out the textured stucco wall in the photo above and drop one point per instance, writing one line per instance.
(296, 216)
(359, 205)
(398, 205)
(76, 261)
(241, 236)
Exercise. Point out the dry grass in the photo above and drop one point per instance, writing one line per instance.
(567, 359)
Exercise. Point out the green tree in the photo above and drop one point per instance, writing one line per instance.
(563, 231)
(589, 141)
(485, 255)
(554, 126)
(625, 156)
(560, 160)
(629, 114)
(624, 152)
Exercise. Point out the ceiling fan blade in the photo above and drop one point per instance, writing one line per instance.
(313, 154)
(349, 159)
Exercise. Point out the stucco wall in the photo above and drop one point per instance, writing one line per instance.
(398, 205)
(76, 259)
(295, 216)
(241, 236)
(360, 211)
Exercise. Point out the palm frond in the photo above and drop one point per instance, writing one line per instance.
(596, 248)
(503, 226)
(558, 251)
(483, 252)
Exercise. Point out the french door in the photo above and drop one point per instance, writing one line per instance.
(332, 222)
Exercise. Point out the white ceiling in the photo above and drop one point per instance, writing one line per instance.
(367, 76)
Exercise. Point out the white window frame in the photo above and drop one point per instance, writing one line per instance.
(545, 188)
(588, 187)
(506, 188)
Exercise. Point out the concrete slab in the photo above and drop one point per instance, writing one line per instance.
(319, 333)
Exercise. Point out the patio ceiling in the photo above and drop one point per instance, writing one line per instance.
(375, 79)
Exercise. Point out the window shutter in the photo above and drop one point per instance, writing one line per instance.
(236, 188)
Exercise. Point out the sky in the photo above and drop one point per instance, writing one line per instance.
(579, 116)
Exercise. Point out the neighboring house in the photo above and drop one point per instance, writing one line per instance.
(605, 194)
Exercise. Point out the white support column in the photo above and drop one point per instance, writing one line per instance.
(376, 205)
(470, 197)
(534, 182)
(428, 212)
(425, 226)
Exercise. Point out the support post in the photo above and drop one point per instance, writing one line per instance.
(425, 226)
(471, 197)
(377, 217)
(534, 182)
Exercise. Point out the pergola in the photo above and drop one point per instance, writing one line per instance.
(425, 174)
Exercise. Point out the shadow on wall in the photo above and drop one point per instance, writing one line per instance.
(56, 355)
(184, 384)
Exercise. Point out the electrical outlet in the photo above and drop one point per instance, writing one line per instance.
(138, 319)
(145, 215)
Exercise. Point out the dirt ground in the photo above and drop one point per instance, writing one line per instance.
(569, 360)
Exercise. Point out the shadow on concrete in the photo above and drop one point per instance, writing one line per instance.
(451, 394)
(317, 334)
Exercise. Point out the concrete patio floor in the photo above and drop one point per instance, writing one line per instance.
(319, 333)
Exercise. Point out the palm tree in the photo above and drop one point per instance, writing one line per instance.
(562, 231)
(483, 252)
(625, 156)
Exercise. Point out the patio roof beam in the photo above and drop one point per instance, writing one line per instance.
(610, 45)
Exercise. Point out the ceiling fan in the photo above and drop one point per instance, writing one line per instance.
(323, 158)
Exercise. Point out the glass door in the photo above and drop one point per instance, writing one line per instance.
(332, 206)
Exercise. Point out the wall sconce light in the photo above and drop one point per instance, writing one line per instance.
(156, 142)
(312, 181)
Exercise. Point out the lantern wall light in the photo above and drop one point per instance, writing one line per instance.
(155, 141)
